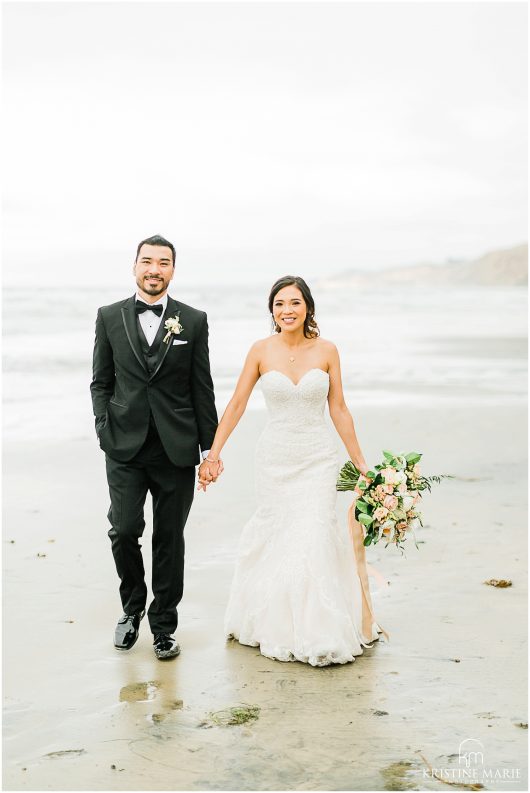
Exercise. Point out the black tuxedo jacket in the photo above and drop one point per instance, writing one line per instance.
(178, 393)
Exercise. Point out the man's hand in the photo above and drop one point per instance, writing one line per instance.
(209, 471)
(100, 423)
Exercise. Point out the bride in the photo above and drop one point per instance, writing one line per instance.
(295, 593)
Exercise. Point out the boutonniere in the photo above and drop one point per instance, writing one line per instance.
(173, 327)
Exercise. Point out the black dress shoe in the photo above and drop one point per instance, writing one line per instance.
(127, 630)
(165, 646)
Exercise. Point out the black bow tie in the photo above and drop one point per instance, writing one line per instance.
(141, 307)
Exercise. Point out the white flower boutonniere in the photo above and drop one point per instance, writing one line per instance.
(173, 327)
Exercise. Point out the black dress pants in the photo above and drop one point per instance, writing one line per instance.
(172, 491)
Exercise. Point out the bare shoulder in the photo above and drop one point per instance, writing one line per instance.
(261, 344)
(258, 349)
(327, 347)
(326, 343)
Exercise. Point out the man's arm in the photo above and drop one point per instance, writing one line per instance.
(103, 373)
(202, 393)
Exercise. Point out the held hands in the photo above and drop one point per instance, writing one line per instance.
(209, 471)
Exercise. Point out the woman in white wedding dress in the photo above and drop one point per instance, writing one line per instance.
(295, 593)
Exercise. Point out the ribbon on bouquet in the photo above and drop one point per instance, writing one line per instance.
(357, 538)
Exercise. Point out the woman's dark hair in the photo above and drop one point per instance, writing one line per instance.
(311, 330)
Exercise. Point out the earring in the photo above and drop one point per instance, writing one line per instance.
(275, 327)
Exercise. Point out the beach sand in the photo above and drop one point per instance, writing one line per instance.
(79, 715)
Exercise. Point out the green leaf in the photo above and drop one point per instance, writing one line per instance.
(365, 519)
(348, 476)
(413, 457)
(388, 455)
(362, 506)
(367, 540)
(370, 474)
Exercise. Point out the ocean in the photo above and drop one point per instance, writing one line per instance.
(416, 346)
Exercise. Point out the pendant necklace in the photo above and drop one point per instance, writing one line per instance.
(292, 358)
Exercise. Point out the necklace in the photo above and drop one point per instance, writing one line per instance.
(292, 358)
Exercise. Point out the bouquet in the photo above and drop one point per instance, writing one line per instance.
(388, 496)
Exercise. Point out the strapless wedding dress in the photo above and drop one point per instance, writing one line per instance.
(295, 592)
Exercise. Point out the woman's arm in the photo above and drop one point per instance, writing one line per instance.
(234, 410)
(340, 415)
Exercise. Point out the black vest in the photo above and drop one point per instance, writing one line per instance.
(151, 357)
(151, 353)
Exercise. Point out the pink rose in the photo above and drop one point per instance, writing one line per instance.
(389, 475)
(390, 502)
(389, 488)
(380, 513)
(379, 493)
(402, 488)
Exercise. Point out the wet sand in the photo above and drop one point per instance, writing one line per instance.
(79, 715)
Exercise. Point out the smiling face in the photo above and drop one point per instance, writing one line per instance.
(289, 309)
(153, 270)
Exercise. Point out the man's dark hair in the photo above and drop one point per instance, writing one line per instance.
(157, 240)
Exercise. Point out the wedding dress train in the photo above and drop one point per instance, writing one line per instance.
(296, 593)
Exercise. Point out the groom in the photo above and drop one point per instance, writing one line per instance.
(153, 399)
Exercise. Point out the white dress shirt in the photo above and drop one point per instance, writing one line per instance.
(150, 324)
(149, 320)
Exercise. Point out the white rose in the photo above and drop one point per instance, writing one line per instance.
(408, 501)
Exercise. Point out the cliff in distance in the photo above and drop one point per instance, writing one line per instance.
(507, 267)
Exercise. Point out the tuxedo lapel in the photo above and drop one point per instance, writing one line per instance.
(128, 314)
(171, 309)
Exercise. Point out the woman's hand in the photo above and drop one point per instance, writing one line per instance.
(363, 468)
(209, 471)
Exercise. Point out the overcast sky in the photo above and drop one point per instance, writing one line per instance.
(261, 138)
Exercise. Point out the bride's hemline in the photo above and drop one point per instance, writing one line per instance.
(288, 656)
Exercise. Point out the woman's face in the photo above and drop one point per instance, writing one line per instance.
(289, 309)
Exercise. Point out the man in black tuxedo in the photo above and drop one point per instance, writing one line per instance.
(153, 399)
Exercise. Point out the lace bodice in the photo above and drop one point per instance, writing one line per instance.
(296, 405)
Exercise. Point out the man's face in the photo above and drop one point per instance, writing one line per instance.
(154, 269)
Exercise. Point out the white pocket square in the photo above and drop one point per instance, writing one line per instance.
(179, 341)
